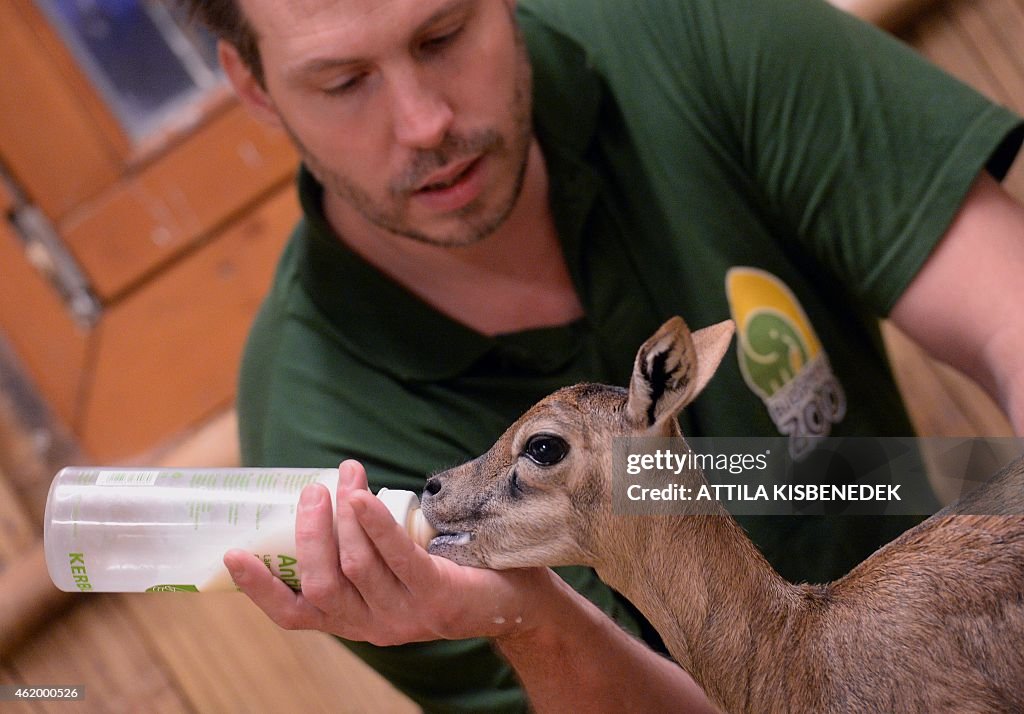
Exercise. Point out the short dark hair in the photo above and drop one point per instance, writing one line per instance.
(225, 19)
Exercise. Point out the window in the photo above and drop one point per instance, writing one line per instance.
(143, 57)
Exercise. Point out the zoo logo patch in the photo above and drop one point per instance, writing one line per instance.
(781, 358)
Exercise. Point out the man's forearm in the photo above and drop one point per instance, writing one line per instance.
(964, 304)
(578, 659)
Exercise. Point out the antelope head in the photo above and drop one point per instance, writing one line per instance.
(542, 494)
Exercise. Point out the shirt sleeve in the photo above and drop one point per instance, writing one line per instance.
(850, 146)
(861, 150)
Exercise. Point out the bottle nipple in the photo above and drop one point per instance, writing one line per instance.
(405, 508)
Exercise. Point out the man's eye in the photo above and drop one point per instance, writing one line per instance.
(546, 449)
(344, 87)
(440, 42)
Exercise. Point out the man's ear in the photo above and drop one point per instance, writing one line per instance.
(253, 96)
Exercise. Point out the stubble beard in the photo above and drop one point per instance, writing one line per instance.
(476, 220)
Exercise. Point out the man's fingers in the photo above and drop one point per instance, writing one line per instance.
(360, 563)
(364, 579)
(282, 605)
(323, 584)
(316, 547)
(409, 563)
(352, 476)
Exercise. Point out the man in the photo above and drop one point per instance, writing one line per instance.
(501, 200)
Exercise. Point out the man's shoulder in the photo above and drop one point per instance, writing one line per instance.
(640, 53)
(614, 22)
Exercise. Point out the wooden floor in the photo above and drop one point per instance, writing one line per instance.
(215, 653)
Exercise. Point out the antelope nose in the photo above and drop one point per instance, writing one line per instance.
(433, 486)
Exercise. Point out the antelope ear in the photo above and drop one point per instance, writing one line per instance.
(672, 367)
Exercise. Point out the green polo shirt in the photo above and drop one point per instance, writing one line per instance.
(774, 162)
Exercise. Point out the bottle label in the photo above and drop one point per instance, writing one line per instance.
(284, 567)
(172, 589)
(127, 478)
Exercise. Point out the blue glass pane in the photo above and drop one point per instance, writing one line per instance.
(135, 53)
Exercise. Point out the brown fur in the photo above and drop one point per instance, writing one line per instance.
(932, 622)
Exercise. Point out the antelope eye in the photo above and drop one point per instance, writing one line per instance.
(546, 449)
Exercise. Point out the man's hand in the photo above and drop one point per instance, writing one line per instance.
(364, 579)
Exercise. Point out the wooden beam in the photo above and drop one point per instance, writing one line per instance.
(48, 140)
(168, 358)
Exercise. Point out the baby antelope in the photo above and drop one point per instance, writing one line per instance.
(932, 622)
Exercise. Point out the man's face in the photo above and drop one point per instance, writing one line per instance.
(414, 113)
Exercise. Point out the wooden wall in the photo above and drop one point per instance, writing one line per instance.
(176, 236)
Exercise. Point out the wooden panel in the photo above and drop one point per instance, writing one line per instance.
(938, 40)
(981, 30)
(6, 199)
(28, 599)
(23, 584)
(169, 356)
(8, 676)
(182, 652)
(36, 323)
(211, 444)
(995, 29)
(52, 44)
(17, 532)
(181, 196)
(48, 140)
(99, 644)
(941, 400)
(243, 662)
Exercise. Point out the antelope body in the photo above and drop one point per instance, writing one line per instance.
(932, 622)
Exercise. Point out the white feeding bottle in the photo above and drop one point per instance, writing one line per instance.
(136, 530)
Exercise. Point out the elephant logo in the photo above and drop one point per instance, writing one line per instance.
(781, 358)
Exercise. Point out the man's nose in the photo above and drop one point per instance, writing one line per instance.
(422, 114)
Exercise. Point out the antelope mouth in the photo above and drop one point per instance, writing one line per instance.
(458, 538)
